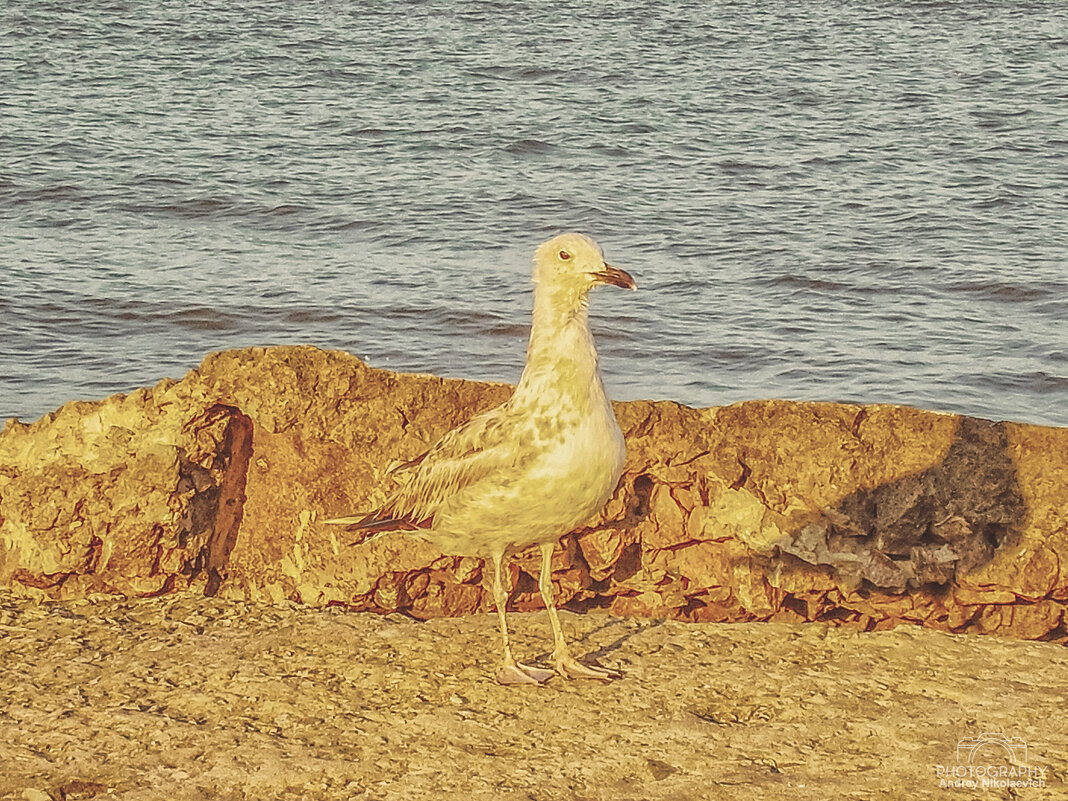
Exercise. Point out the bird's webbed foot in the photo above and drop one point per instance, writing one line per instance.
(518, 673)
(570, 668)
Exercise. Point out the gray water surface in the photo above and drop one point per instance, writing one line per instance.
(857, 201)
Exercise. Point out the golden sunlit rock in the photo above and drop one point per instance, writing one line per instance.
(765, 510)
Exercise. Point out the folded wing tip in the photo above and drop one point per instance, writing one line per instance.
(345, 521)
(375, 524)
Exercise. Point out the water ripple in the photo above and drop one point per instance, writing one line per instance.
(854, 201)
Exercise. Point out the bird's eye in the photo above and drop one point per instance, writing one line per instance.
(564, 255)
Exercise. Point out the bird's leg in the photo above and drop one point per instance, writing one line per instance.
(513, 672)
(565, 664)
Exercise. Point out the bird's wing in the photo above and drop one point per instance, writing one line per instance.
(473, 452)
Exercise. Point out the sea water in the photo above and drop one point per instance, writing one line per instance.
(850, 201)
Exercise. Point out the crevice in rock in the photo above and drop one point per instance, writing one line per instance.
(215, 477)
(643, 490)
(235, 454)
(747, 471)
(628, 564)
(585, 604)
(1056, 634)
(858, 420)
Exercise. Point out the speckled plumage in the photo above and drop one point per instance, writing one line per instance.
(536, 467)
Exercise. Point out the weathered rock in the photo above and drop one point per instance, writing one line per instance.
(765, 510)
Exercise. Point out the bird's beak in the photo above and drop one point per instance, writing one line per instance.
(615, 277)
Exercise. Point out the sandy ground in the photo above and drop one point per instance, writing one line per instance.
(185, 697)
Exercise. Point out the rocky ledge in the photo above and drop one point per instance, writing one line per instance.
(866, 516)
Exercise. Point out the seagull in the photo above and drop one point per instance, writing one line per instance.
(533, 469)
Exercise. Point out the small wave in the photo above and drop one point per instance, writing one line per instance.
(150, 179)
(218, 208)
(370, 133)
(830, 160)
(343, 224)
(1039, 381)
(203, 319)
(805, 282)
(530, 147)
(65, 193)
(1005, 292)
(312, 315)
(520, 73)
(742, 166)
(1034, 382)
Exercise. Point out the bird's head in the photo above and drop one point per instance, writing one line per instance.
(575, 263)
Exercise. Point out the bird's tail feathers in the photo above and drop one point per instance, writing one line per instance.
(374, 525)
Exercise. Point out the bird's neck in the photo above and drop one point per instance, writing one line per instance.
(561, 357)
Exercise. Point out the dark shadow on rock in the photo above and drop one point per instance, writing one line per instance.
(219, 501)
(926, 528)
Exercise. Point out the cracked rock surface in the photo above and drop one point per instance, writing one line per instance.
(182, 697)
(864, 516)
